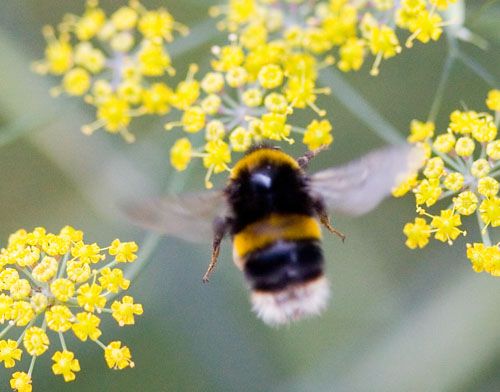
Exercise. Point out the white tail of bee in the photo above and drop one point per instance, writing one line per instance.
(293, 303)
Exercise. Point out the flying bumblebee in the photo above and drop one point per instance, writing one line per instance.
(273, 209)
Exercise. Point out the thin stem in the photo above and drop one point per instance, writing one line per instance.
(485, 235)
(28, 275)
(62, 267)
(26, 328)
(447, 194)
(448, 160)
(63, 342)
(101, 344)
(7, 328)
(494, 173)
(32, 365)
(109, 265)
(478, 69)
(438, 98)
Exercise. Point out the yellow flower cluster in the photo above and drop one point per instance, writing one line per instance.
(118, 63)
(51, 284)
(350, 30)
(463, 164)
(251, 94)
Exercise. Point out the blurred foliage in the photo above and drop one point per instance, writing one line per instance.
(398, 321)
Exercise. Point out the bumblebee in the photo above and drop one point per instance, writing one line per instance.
(273, 211)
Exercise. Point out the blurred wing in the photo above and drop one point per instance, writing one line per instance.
(188, 216)
(360, 185)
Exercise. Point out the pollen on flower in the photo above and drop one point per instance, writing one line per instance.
(61, 295)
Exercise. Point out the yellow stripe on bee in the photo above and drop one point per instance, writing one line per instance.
(255, 158)
(291, 227)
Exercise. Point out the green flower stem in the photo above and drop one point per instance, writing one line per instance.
(100, 344)
(26, 328)
(447, 194)
(478, 69)
(10, 324)
(485, 235)
(63, 342)
(28, 275)
(494, 173)
(445, 76)
(62, 267)
(32, 365)
(109, 265)
(448, 160)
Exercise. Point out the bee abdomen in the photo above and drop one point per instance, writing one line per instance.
(283, 264)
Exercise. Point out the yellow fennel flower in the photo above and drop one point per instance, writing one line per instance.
(86, 326)
(124, 252)
(181, 153)
(35, 341)
(89, 297)
(352, 55)
(274, 126)
(65, 364)
(493, 100)
(240, 139)
(59, 318)
(113, 280)
(454, 181)
(446, 226)
(465, 203)
(417, 233)
(488, 186)
(21, 382)
(9, 353)
(218, 155)
(484, 258)
(421, 131)
(62, 289)
(428, 192)
(318, 134)
(118, 356)
(271, 76)
(123, 312)
(490, 211)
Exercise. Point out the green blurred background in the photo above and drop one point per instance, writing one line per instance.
(399, 320)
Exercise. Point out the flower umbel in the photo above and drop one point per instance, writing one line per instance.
(54, 284)
(113, 62)
(462, 164)
(350, 30)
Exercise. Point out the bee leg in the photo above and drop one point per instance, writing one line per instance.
(325, 220)
(304, 160)
(220, 228)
